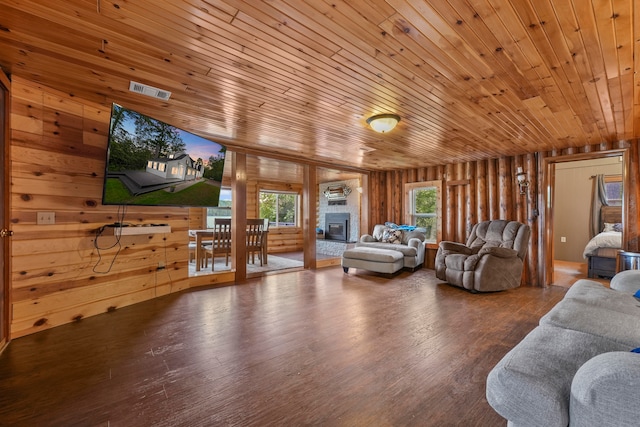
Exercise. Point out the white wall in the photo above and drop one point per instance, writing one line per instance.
(571, 204)
(352, 207)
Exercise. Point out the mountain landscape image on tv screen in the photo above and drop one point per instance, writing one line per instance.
(152, 163)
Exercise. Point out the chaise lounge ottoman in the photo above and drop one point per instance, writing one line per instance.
(373, 259)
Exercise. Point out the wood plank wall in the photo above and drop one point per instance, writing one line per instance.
(482, 190)
(58, 148)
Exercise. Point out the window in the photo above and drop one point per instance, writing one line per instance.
(613, 188)
(222, 210)
(280, 208)
(423, 207)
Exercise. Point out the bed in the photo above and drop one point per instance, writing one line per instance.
(602, 250)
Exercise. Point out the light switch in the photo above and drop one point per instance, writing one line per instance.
(563, 239)
(45, 218)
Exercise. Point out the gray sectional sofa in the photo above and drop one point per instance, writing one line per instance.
(576, 368)
(410, 243)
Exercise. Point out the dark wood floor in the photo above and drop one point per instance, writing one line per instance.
(299, 348)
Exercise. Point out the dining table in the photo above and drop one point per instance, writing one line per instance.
(206, 235)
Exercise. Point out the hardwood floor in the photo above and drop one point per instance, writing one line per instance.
(566, 273)
(299, 348)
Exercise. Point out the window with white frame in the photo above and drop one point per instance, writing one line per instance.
(281, 208)
(423, 207)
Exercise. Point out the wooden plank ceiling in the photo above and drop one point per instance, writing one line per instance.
(471, 79)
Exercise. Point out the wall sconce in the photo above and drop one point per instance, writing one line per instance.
(383, 122)
(522, 180)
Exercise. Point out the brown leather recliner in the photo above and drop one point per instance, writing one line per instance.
(491, 260)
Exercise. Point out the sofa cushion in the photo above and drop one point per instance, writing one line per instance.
(406, 250)
(531, 384)
(598, 320)
(594, 293)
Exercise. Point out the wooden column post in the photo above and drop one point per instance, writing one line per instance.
(309, 200)
(239, 216)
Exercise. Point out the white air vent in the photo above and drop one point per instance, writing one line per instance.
(151, 91)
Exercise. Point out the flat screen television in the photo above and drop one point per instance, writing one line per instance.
(152, 163)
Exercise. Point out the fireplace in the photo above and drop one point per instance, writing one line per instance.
(336, 226)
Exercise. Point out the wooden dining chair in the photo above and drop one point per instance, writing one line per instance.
(202, 240)
(221, 243)
(256, 237)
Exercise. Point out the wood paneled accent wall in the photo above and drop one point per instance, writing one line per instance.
(482, 190)
(58, 276)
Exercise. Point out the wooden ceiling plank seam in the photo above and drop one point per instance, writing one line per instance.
(440, 34)
(372, 12)
(605, 25)
(463, 90)
(545, 35)
(572, 33)
(555, 70)
(586, 18)
(476, 34)
(623, 34)
(445, 116)
(236, 21)
(533, 122)
(268, 15)
(244, 50)
(222, 10)
(510, 103)
(513, 43)
(519, 100)
(564, 13)
(460, 56)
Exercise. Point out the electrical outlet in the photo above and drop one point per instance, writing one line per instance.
(46, 218)
(563, 239)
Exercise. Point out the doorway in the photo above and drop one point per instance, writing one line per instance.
(567, 170)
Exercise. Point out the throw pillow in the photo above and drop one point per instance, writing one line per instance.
(393, 236)
(612, 227)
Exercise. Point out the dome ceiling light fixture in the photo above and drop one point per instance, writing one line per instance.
(383, 122)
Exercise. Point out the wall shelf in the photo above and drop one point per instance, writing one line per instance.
(135, 230)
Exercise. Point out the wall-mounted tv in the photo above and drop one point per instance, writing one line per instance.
(151, 163)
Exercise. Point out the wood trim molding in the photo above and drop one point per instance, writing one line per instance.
(548, 193)
(5, 283)
(459, 182)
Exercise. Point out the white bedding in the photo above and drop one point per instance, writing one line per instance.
(606, 239)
